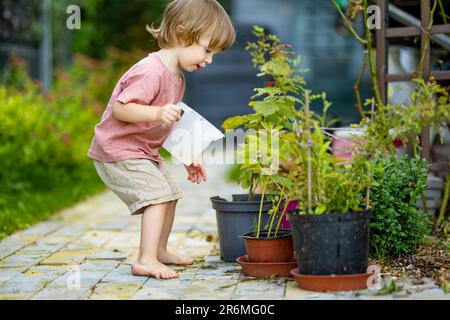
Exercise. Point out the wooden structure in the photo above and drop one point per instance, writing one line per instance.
(385, 33)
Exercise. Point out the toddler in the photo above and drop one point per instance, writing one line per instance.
(140, 115)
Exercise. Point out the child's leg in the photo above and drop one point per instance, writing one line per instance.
(164, 255)
(151, 228)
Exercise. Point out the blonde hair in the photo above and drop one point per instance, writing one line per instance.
(197, 17)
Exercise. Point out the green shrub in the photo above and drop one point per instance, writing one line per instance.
(44, 139)
(397, 225)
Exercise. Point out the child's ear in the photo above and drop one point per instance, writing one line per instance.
(180, 32)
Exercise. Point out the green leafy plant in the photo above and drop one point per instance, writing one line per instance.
(368, 56)
(273, 106)
(323, 182)
(429, 106)
(307, 171)
(274, 110)
(390, 287)
(303, 142)
(397, 226)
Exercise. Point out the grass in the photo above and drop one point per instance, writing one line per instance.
(22, 210)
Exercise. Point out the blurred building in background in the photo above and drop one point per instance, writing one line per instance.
(223, 89)
(35, 31)
(22, 35)
(333, 58)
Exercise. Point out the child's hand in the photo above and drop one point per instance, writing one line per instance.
(196, 173)
(169, 114)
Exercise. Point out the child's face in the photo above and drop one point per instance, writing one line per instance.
(196, 56)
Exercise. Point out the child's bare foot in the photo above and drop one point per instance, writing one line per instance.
(154, 269)
(172, 258)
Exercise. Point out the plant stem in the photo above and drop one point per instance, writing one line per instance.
(373, 71)
(441, 8)
(309, 153)
(260, 208)
(348, 24)
(444, 202)
(414, 146)
(368, 43)
(252, 183)
(424, 201)
(273, 217)
(281, 189)
(282, 215)
(427, 36)
(421, 74)
(423, 197)
(286, 201)
(368, 190)
(356, 86)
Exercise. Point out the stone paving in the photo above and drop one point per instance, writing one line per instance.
(85, 252)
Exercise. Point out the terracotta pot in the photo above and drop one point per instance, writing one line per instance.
(262, 249)
(345, 282)
(235, 218)
(258, 269)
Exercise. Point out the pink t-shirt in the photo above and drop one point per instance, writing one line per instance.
(148, 82)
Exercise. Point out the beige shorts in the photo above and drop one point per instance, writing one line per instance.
(139, 182)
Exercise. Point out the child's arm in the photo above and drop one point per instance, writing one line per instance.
(134, 112)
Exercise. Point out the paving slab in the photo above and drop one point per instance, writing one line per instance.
(86, 252)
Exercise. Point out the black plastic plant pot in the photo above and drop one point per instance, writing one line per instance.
(235, 218)
(335, 243)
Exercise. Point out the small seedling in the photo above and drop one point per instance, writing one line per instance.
(389, 287)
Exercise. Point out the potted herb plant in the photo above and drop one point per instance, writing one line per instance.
(264, 156)
(331, 226)
(235, 218)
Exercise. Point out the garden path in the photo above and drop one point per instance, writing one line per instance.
(85, 252)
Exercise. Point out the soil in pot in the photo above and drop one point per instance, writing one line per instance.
(332, 243)
(273, 249)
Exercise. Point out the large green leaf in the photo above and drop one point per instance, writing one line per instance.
(283, 181)
(234, 122)
(266, 90)
(265, 108)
